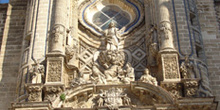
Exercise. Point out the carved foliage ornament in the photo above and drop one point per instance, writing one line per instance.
(55, 71)
(34, 93)
(51, 92)
(173, 88)
(58, 31)
(165, 29)
(170, 67)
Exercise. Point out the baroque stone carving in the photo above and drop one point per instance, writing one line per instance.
(190, 87)
(174, 88)
(57, 40)
(54, 71)
(52, 92)
(165, 30)
(37, 73)
(187, 69)
(111, 68)
(147, 78)
(34, 92)
(113, 98)
(112, 37)
(170, 67)
(71, 56)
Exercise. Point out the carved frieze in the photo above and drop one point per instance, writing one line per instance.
(170, 67)
(54, 71)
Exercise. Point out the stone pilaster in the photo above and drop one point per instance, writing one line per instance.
(168, 57)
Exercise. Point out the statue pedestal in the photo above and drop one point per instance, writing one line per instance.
(168, 66)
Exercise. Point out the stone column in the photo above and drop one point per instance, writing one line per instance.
(58, 33)
(168, 61)
(55, 57)
(164, 26)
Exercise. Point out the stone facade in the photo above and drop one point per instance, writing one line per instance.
(69, 54)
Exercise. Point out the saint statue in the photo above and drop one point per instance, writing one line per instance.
(112, 37)
(37, 73)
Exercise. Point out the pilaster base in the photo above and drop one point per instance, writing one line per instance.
(168, 66)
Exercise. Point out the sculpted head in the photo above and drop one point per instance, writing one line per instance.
(112, 24)
(146, 71)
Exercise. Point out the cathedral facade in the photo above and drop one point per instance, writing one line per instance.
(110, 55)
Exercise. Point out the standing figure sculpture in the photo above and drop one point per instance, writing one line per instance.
(37, 73)
(112, 37)
(187, 68)
(147, 78)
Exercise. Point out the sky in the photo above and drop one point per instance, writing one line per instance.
(4, 1)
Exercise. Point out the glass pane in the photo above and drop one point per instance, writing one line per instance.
(99, 18)
(106, 25)
(111, 10)
(122, 18)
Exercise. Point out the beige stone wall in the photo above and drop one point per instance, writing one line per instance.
(211, 39)
(3, 11)
(11, 51)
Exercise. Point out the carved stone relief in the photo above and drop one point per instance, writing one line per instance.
(54, 71)
(34, 92)
(37, 73)
(170, 66)
(52, 92)
(174, 88)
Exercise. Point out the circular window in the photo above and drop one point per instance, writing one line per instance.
(110, 14)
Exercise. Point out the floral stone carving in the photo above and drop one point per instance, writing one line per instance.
(54, 71)
(34, 92)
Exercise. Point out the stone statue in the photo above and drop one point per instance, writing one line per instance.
(37, 73)
(147, 78)
(112, 37)
(71, 56)
(97, 75)
(126, 100)
(187, 68)
(129, 72)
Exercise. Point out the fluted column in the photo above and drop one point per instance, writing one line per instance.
(167, 56)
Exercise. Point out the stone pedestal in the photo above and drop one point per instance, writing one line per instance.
(190, 87)
(168, 66)
(55, 67)
(34, 92)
